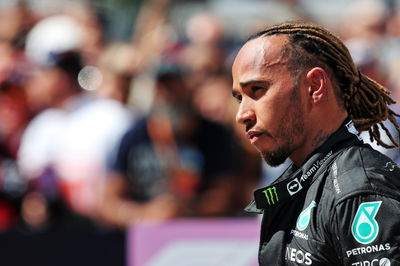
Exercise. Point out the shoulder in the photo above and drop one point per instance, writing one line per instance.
(138, 127)
(362, 187)
(48, 116)
(105, 110)
(363, 170)
(136, 133)
(47, 124)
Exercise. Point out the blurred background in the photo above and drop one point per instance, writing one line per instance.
(118, 113)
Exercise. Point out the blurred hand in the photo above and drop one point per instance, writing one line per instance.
(162, 207)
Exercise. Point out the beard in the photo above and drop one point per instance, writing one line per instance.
(292, 126)
(277, 157)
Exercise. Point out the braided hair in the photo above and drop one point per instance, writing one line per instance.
(365, 100)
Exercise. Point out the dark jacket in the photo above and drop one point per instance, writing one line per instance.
(342, 207)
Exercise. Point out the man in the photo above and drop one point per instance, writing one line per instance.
(301, 97)
(170, 163)
(53, 93)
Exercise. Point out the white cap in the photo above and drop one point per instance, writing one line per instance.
(54, 34)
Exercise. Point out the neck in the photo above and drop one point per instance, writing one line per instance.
(315, 138)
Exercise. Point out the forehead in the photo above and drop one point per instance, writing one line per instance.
(260, 53)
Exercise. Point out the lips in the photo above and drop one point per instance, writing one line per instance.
(253, 135)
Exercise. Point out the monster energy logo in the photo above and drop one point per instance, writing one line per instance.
(271, 195)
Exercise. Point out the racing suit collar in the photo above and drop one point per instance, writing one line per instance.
(295, 181)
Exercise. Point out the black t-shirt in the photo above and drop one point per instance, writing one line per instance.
(208, 154)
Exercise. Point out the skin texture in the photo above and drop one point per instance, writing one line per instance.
(283, 115)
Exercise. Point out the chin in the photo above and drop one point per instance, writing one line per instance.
(275, 158)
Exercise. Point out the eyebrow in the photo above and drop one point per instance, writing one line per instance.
(245, 84)
(251, 82)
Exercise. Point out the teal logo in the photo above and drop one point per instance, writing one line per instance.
(271, 195)
(365, 228)
(304, 218)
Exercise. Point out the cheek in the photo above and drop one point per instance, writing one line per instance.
(271, 110)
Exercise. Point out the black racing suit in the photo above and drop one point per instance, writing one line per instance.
(342, 207)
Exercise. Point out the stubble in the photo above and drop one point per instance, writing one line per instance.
(292, 126)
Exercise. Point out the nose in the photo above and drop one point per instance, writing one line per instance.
(245, 115)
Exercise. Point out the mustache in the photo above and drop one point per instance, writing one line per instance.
(258, 129)
(248, 127)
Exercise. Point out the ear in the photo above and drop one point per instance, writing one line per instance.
(317, 80)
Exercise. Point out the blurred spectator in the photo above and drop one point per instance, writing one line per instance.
(364, 19)
(365, 44)
(14, 116)
(51, 91)
(90, 135)
(214, 108)
(172, 163)
(203, 56)
(15, 22)
(55, 90)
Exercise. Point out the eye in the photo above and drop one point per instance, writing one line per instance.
(256, 88)
(257, 91)
(237, 97)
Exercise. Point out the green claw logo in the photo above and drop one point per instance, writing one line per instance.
(365, 228)
(271, 195)
(304, 217)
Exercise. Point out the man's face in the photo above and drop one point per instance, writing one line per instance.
(271, 105)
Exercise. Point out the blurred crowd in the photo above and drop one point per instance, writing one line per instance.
(101, 133)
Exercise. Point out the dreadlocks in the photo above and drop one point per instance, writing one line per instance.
(365, 100)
